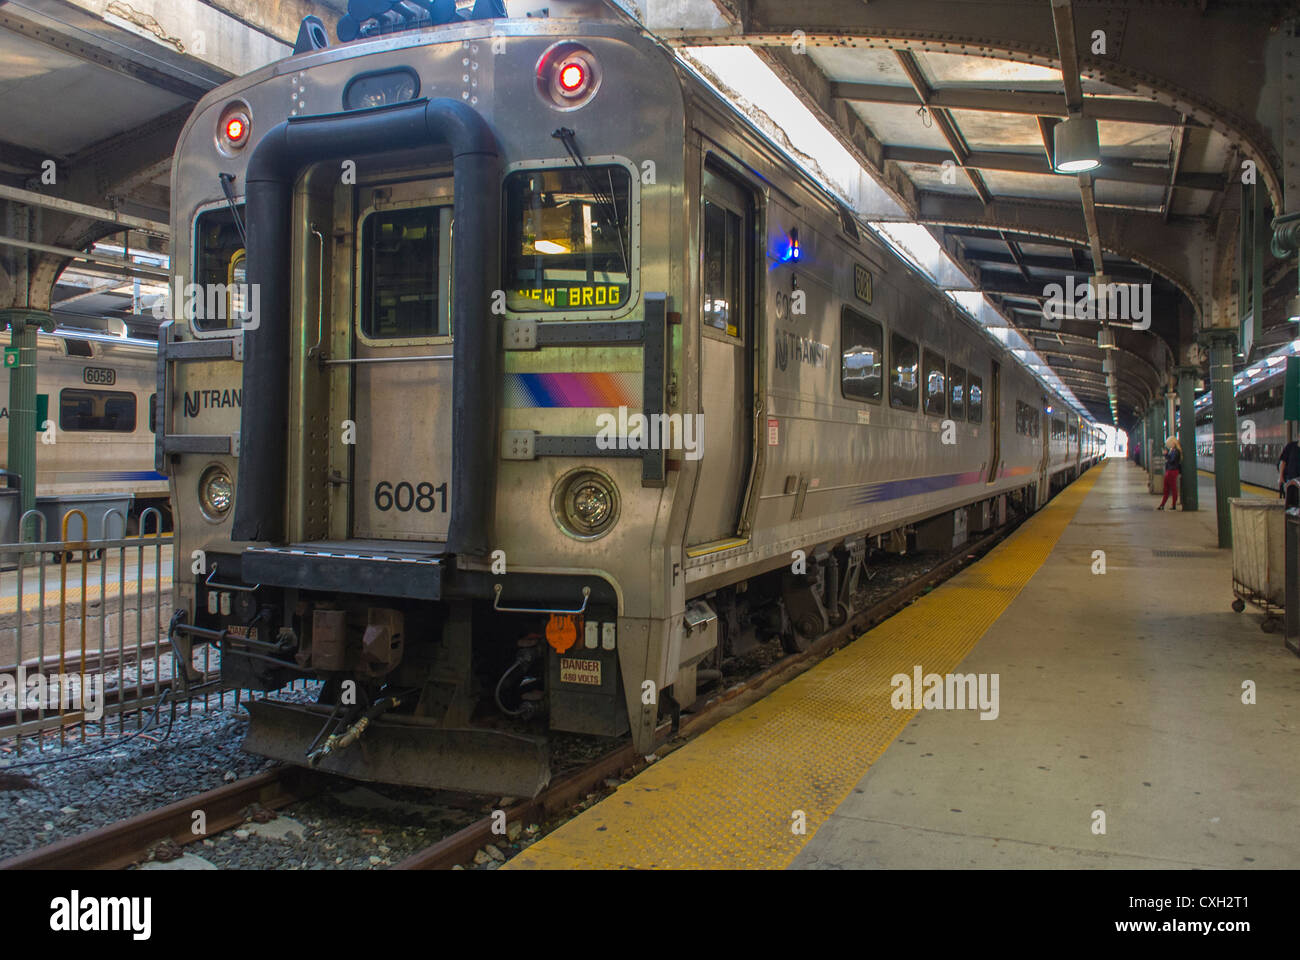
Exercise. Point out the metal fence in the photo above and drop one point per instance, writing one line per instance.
(83, 628)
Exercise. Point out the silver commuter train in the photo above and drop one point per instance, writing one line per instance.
(436, 495)
(97, 391)
(1259, 421)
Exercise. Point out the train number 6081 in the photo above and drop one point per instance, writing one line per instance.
(424, 497)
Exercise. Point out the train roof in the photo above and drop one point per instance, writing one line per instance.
(98, 336)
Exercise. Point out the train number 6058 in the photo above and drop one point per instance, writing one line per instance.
(424, 497)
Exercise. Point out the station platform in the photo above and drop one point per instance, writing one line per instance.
(1120, 707)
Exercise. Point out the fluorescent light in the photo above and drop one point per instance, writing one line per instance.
(549, 246)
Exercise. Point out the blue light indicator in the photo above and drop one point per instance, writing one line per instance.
(792, 249)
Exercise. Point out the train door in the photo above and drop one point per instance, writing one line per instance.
(402, 348)
(727, 353)
(995, 422)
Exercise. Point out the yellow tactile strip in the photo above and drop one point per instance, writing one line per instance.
(727, 799)
(32, 601)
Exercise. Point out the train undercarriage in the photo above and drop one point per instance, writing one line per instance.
(466, 692)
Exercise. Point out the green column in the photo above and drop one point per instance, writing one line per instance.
(23, 324)
(1156, 444)
(1187, 435)
(1227, 475)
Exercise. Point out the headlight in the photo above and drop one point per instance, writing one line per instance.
(585, 504)
(216, 492)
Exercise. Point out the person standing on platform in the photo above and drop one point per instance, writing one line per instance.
(1173, 470)
(1288, 468)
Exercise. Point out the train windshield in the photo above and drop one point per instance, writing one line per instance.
(568, 239)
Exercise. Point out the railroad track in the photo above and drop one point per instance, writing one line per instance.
(130, 841)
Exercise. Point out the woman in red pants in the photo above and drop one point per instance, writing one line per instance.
(1173, 470)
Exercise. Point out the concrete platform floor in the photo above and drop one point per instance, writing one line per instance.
(1120, 694)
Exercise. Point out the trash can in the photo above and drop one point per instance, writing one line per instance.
(1258, 553)
(94, 505)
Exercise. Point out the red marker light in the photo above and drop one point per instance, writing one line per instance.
(572, 77)
(236, 129)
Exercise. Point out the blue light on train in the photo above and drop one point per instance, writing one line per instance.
(791, 252)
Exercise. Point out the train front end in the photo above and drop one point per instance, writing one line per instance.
(417, 277)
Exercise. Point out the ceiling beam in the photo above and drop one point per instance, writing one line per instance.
(946, 125)
(1113, 169)
(807, 81)
(1171, 249)
(1089, 198)
(82, 47)
(1062, 265)
(1162, 66)
(1175, 161)
(24, 160)
(282, 18)
(153, 273)
(1005, 101)
(32, 198)
(1068, 51)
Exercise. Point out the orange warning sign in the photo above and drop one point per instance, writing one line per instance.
(562, 631)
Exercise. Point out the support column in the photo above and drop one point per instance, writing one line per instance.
(1187, 435)
(1155, 445)
(1227, 474)
(23, 324)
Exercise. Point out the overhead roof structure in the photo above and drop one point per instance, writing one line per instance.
(951, 106)
(95, 95)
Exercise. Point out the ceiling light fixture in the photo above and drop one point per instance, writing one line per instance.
(1076, 145)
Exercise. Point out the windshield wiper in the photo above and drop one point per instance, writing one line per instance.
(226, 180)
(605, 202)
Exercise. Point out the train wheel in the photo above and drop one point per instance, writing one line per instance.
(1238, 605)
(792, 641)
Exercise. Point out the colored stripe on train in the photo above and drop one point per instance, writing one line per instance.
(896, 489)
(116, 476)
(582, 389)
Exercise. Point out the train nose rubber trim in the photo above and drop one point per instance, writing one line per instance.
(274, 167)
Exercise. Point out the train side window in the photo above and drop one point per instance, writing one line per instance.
(975, 399)
(862, 344)
(957, 392)
(903, 378)
(403, 259)
(82, 411)
(569, 243)
(722, 255)
(218, 271)
(936, 384)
